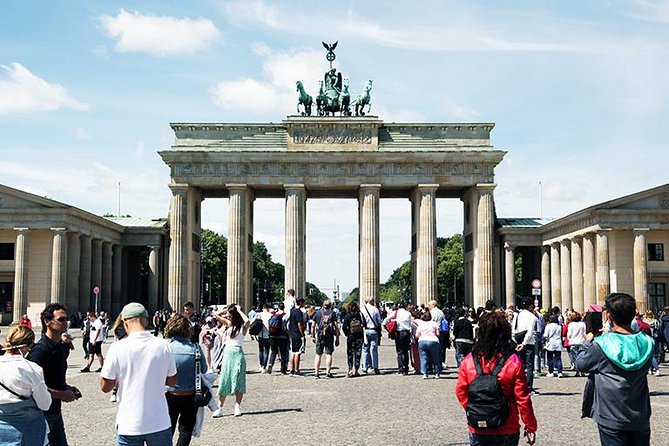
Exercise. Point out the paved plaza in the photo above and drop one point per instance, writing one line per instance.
(368, 410)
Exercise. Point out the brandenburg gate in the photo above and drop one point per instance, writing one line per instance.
(305, 157)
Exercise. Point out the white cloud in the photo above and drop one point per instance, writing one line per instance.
(23, 92)
(81, 133)
(159, 35)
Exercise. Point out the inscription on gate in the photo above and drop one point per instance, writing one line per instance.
(332, 135)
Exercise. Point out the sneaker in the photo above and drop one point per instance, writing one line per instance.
(377, 372)
(317, 376)
(534, 392)
(268, 370)
(554, 374)
(238, 410)
(657, 372)
(98, 370)
(365, 371)
(85, 370)
(329, 375)
(112, 398)
(560, 375)
(218, 413)
(425, 377)
(437, 376)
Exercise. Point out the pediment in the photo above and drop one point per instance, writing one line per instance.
(11, 198)
(651, 199)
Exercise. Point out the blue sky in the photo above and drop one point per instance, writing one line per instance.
(578, 91)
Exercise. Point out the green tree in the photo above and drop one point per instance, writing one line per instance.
(450, 270)
(214, 266)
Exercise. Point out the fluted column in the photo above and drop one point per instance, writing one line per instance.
(556, 281)
(96, 268)
(178, 262)
(154, 255)
(72, 282)
(509, 275)
(20, 275)
(577, 274)
(240, 274)
(117, 281)
(483, 270)
(589, 288)
(368, 251)
(426, 243)
(546, 301)
(603, 270)
(58, 265)
(296, 249)
(106, 288)
(85, 272)
(640, 269)
(565, 274)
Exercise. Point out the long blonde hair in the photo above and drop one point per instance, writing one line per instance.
(19, 336)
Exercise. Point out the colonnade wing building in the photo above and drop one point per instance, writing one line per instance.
(615, 246)
(53, 252)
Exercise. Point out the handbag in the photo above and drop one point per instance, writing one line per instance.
(202, 395)
(519, 337)
(256, 327)
(392, 327)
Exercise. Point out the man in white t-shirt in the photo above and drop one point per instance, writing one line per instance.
(140, 366)
(95, 343)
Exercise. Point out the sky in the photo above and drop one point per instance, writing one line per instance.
(578, 92)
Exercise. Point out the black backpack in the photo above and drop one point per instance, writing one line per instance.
(487, 407)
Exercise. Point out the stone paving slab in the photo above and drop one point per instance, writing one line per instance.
(367, 410)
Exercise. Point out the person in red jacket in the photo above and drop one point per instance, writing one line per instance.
(493, 344)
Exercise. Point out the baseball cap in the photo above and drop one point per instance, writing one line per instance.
(133, 310)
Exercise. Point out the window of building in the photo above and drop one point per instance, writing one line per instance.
(6, 251)
(656, 252)
(657, 296)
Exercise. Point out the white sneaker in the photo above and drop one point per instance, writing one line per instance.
(218, 413)
(112, 398)
(238, 410)
(657, 372)
(560, 375)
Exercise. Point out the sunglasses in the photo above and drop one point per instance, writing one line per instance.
(60, 319)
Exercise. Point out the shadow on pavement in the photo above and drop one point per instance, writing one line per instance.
(266, 412)
(559, 393)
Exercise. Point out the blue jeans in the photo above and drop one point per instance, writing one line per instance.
(611, 437)
(160, 438)
(430, 353)
(538, 351)
(56, 429)
(370, 350)
(263, 351)
(554, 360)
(494, 440)
(655, 361)
(527, 356)
(462, 349)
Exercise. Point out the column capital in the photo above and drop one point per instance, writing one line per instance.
(370, 186)
(179, 189)
(565, 242)
(294, 186)
(427, 187)
(576, 237)
(22, 230)
(509, 246)
(236, 186)
(59, 229)
(641, 231)
(485, 187)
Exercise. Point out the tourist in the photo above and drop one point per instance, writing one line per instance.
(194, 318)
(86, 335)
(207, 339)
(553, 346)
(463, 333)
(119, 333)
(263, 338)
(656, 333)
(525, 322)
(51, 354)
(233, 369)
(289, 301)
(353, 328)
(180, 397)
(278, 340)
(575, 336)
(492, 348)
(370, 347)
(97, 338)
(296, 328)
(23, 393)
(427, 334)
(617, 396)
(439, 317)
(25, 321)
(325, 334)
(403, 338)
(664, 326)
(539, 352)
(140, 366)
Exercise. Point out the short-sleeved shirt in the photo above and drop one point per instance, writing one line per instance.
(96, 328)
(296, 316)
(140, 363)
(52, 357)
(318, 318)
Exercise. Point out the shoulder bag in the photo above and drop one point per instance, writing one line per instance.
(202, 395)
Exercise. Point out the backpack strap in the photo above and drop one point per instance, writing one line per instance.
(477, 365)
(500, 365)
(19, 396)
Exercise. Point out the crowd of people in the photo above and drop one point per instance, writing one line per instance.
(162, 381)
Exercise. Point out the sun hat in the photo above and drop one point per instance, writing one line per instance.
(133, 310)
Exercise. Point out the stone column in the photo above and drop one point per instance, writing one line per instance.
(577, 274)
(240, 274)
(483, 280)
(565, 274)
(603, 277)
(296, 246)
(178, 263)
(640, 269)
(154, 278)
(368, 249)
(546, 301)
(509, 275)
(20, 275)
(85, 271)
(117, 281)
(96, 272)
(589, 288)
(556, 281)
(106, 288)
(58, 265)
(72, 285)
(426, 243)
